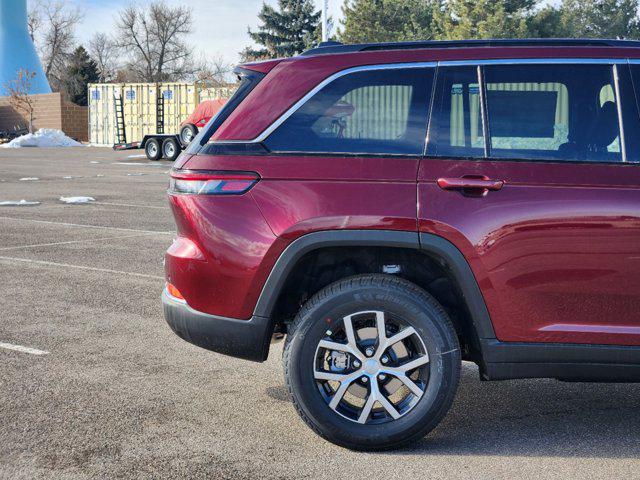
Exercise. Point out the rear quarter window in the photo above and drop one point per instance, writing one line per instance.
(369, 112)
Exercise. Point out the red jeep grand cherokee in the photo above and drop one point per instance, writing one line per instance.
(397, 208)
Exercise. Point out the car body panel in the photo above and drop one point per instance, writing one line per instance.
(556, 251)
(240, 237)
(215, 261)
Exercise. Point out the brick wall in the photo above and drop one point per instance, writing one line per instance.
(75, 121)
(50, 111)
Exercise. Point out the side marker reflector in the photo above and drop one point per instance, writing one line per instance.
(174, 292)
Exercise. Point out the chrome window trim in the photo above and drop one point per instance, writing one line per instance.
(435, 64)
(532, 61)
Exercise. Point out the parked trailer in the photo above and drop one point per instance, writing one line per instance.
(143, 109)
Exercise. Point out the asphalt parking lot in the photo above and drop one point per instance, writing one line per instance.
(118, 395)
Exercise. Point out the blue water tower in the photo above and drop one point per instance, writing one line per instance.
(16, 48)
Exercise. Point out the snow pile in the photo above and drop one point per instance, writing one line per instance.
(20, 203)
(77, 199)
(45, 137)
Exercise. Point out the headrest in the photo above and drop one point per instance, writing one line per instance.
(605, 128)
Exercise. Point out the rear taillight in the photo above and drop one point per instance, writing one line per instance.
(211, 183)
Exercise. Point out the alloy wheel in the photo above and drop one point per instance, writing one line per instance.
(372, 368)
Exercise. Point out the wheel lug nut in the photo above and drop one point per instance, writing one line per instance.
(356, 364)
(369, 351)
(381, 376)
(384, 359)
(364, 379)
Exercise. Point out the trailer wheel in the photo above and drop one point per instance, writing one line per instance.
(170, 149)
(152, 149)
(187, 133)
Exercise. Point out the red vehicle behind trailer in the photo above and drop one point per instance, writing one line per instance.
(204, 112)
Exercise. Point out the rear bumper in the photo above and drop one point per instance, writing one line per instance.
(247, 339)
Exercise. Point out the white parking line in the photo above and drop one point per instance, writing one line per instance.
(131, 205)
(148, 164)
(80, 267)
(20, 348)
(159, 232)
(86, 240)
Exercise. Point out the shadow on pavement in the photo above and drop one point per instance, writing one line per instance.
(533, 418)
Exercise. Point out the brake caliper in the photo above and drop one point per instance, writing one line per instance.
(339, 361)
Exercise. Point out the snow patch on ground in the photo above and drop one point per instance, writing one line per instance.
(77, 199)
(29, 179)
(45, 137)
(17, 203)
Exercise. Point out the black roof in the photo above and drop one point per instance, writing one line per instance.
(337, 47)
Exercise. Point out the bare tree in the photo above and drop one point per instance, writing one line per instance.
(104, 52)
(19, 98)
(214, 72)
(57, 41)
(34, 20)
(156, 37)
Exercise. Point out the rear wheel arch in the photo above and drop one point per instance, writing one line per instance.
(431, 248)
(461, 271)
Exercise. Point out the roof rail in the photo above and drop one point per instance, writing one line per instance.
(337, 47)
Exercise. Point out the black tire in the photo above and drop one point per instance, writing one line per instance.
(152, 149)
(396, 297)
(170, 149)
(187, 133)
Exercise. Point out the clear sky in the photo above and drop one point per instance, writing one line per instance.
(220, 26)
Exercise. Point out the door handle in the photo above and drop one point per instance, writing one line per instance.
(464, 183)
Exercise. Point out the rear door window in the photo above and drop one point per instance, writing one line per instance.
(369, 112)
(552, 112)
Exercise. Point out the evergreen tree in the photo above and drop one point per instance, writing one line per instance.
(406, 20)
(288, 30)
(80, 71)
(468, 19)
(600, 18)
(387, 20)
(546, 23)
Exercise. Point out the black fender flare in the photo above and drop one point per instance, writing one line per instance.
(429, 243)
